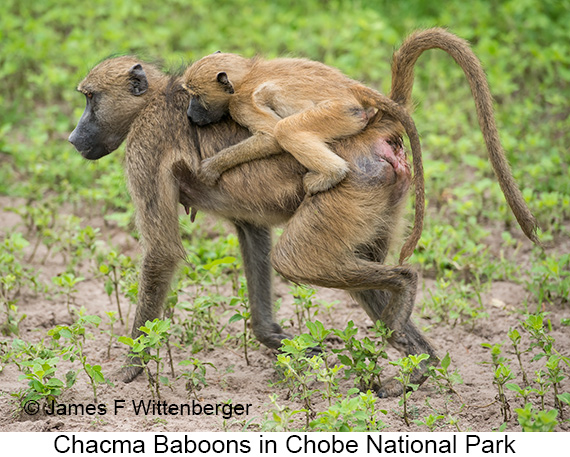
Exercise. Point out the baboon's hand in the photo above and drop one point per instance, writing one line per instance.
(208, 173)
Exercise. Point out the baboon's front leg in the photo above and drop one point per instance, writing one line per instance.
(157, 221)
(255, 244)
(156, 273)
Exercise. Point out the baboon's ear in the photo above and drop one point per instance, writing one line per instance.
(223, 79)
(218, 52)
(137, 76)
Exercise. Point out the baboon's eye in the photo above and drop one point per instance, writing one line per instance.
(89, 94)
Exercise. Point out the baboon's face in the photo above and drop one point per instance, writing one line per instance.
(114, 92)
(209, 87)
(209, 101)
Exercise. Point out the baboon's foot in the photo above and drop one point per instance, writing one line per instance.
(314, 351)
(363, 114)
(393, 388)
(208, 173)
(270, 335)
(390, 388)
(128, 372)
(318, 182)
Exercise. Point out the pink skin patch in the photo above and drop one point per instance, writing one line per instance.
(395, 156)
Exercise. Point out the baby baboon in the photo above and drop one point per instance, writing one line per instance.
(339, 238)
(292, 104)
(297, 105)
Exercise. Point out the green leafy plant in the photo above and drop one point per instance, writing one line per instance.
(550, 279)
(43, 384)
(115, 267)
(544, 342)
(297, 372)
(406, 366)
(146, 349)
(361, 356)
(195, 379)
(304, 304)
(112, 315)
(502, 374)
(536, 421)
(76, 334)
(451, 303)
(66, 284)
(242, 315)
(356, 413)
(282, 417)
(443, 378)
(515, 338)
(432, 422)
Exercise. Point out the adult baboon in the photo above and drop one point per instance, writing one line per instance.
(339, 238)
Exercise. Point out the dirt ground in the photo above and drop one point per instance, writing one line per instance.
(244, 384)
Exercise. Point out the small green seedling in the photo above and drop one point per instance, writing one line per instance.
(195, 379)
(304, 304)
(536, 421)
(297, 371)
(361, 357)
(76, 334)
(242, 315)
(431, 422)
(12, 323)
(502, 374)
(112, 315)
(114, 267)
(67, 283)
(352, 414)
(515, 338)
(443, 378)
(146, 348)
(406, 366)
(43, 384)
(282, 417)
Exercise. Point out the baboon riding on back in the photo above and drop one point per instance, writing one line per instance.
(338, 238)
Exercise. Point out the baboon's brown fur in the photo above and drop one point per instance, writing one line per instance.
(339, 238)
(293, 104)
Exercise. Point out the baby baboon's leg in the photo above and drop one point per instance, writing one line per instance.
(255, 244)
(304, 135)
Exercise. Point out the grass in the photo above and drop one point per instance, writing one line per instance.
(470, 238)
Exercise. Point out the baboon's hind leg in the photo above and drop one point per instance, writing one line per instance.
(255, 245)
(406, 337)
(331, 257)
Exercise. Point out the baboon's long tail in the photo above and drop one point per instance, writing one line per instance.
(403, 79)
(384, 104)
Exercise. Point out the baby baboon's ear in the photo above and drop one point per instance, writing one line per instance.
(223, 79)
(137, 77)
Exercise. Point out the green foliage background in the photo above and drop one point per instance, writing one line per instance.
(47, 47)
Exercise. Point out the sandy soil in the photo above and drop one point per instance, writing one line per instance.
(244, 384)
